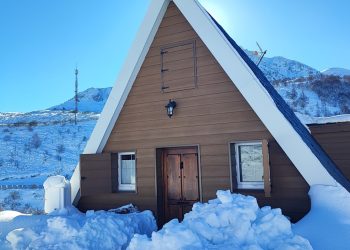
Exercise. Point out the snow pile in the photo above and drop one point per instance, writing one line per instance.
(231, 221)
(70, 229)
(327, 225)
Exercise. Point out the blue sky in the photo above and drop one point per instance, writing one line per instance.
(42, 41)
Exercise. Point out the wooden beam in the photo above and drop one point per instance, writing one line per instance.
(266, 164)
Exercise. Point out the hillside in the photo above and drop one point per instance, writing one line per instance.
(317, 96)
(90, 100)
(280, 68)
(34, 146)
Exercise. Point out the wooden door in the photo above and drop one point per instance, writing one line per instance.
(180, 166)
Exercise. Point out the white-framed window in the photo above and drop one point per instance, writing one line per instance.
(126, 171)
(247, 159)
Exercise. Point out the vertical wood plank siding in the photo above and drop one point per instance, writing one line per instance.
(211, 115)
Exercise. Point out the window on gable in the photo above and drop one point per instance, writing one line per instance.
(179, 66)
(126, 171)
(247, 163)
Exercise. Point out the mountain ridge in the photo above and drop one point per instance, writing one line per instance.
(336, 72)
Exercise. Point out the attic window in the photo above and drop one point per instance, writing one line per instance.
(179, 66)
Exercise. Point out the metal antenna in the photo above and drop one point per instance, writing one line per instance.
(261, 53)
(76, 96)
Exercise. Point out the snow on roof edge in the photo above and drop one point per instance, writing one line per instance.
(309, 120)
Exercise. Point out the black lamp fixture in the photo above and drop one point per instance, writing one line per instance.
(170, 108)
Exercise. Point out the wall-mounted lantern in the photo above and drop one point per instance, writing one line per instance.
(170, 108)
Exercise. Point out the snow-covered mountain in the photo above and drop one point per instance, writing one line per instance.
(304, 88)
(317, 96)
(279, 68)
(90, 100)
(336, 72)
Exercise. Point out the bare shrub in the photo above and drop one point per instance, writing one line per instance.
(6, 138)
(303, 100)
(292, 94)
(60, 149)
(27, 148)
(12, 201)
(35, 141)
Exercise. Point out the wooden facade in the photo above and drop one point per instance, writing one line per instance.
(335, 140)
(210, 114)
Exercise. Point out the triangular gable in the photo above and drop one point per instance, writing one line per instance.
(305, 153)
(289, 114)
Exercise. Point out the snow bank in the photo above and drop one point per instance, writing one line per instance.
(327, 225)
(70, 229)
(231, 221)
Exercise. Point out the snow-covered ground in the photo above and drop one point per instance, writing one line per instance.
(42, 146)
(34, 146)
(25, 200)
(70, 229)
(327, 225)
(232, 221)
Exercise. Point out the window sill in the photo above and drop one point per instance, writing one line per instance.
(254, 187)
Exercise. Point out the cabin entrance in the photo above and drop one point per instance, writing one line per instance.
(180, 181)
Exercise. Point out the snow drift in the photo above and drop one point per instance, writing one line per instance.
(231, 221)
(327, 225)
(70, 229)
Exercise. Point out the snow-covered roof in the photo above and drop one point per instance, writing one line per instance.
(302, 149)
(308, 120)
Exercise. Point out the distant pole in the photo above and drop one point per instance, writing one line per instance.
(76, 96)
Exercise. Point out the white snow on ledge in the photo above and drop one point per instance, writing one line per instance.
(306, 119)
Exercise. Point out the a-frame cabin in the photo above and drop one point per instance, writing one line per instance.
(230, 129)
